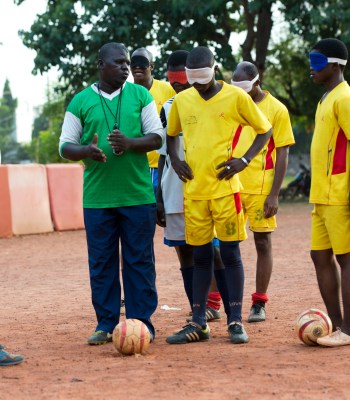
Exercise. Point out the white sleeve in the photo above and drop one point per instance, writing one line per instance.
(151, 122)
(72, 130)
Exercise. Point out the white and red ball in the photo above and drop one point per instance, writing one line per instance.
(313, 324)
(131, 337)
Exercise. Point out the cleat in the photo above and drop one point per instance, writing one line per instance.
(190, 333)
(99, 337)
(257, 312)
(122, 307)
(335, 339)
(237, 333)
(9, 359)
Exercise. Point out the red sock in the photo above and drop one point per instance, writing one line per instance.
(214, 300)
(260, 297)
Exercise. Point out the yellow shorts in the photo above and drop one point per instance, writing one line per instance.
(330, 228)
(225, 215)
(253, 207)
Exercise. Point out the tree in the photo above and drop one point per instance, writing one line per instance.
(8, 106)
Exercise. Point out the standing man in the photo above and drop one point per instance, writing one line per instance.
(110, 126)
(141, 68)
(170, 207)
(330, 186)
(211, 115)
(263, 178)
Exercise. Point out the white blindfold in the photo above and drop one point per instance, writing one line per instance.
(200, 75)
(247, 86)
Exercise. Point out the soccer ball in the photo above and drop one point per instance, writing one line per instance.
(131, 337)
(312, 324)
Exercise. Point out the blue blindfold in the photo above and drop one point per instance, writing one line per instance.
(318, 61)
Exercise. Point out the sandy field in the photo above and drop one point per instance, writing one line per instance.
(46, 315)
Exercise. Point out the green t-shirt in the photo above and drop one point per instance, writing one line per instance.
(122, 180)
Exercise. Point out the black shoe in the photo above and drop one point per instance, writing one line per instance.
(190, 333)
(237, 333)
(257, 312)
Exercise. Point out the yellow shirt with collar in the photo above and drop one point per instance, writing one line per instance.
(211, 129)
(258, 177)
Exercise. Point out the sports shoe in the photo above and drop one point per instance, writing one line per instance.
(99, 337)
(192, 332)
(9, 359)
(237, 333)
(2, 347)
(210, 314)
(335, 339)
(122, 307)
(257, 312)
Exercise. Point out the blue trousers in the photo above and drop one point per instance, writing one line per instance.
(134, 227)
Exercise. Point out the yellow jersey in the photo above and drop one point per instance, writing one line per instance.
(211, 130)
(161, 92)
(258, 177)
(330, 159)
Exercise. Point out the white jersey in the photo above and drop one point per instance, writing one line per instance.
(172, 186)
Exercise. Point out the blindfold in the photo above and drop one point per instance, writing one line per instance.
(318, 61)
(200, 75)
(247, 86)
(178, 76)
(139, 61)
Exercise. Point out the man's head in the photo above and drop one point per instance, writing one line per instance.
(327, 58)
(142, 65)
(200, 68)
(113, 65)
(246, 76)
(176, 70)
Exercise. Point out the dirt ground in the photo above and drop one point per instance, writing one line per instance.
(46, 314)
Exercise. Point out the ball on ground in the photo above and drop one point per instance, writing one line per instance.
(313, 324)
(131, 337)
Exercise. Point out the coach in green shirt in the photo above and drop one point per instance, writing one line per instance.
(111, 125)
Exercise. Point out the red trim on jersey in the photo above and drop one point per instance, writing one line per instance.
(236, 137)
(339, 159)
(268, 158)
(238, 202)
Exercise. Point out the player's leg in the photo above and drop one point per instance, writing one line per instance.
(230, 228)
(344, 262)
(102, 233)
(263, 274)
(199, 229)
(328, 280)
(137, 231)
(262, 229)
(218, 289)
(185, 256)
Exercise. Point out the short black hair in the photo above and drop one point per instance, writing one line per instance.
(332, 47)
(145, 51)
(200, 57)
(177, 58)
(106, 48)
(248, 68)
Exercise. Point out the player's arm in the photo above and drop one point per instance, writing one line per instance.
(159, 193)
(271, 203)
(152, 129)
(69, 144)
(181, 168)
(235, 165)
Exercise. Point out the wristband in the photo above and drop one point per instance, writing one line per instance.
(245, 161)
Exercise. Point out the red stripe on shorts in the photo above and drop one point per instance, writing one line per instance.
(238, 202)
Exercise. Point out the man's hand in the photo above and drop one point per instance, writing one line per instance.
(93, 152)
(270, 206)
(118, 141)
(182, 169)
(230, 168)
(160, 214)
